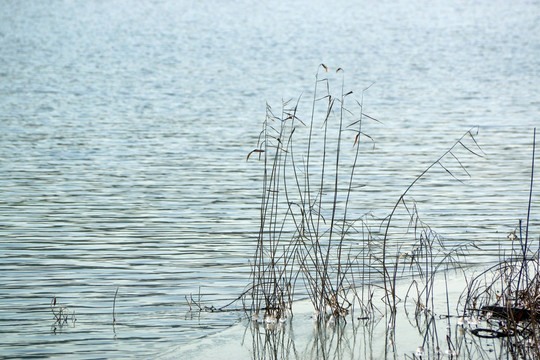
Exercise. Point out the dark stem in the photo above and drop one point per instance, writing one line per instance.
(530, 195)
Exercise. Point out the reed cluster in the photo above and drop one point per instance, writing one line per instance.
(315, 242)
(310, 242)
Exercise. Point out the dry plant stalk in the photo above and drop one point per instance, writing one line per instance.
(307, 234)
(63, 316)
(305, 227)
(505, 299)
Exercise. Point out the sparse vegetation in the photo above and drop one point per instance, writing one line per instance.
(348, 264)
(63, 316)
(505, 298)
(307, 232)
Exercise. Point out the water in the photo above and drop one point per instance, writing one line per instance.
(124, 129)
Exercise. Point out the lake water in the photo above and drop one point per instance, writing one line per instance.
(125, 126)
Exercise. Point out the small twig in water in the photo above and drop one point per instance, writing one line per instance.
(114, 307)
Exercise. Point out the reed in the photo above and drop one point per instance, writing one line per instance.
(310, 243)
(63, 316)
(307, 239)
(504, 300)
(307, 234)
(423, 248)
(312, 191)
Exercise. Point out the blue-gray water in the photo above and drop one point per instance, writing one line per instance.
(124, 129)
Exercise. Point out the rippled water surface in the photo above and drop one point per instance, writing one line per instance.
(124, 130)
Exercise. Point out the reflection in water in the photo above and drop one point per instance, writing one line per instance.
(415, 333)
(336, 341)
(412, 332)
(440, 337)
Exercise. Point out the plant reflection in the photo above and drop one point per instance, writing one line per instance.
(440, 337)
(327, 340)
